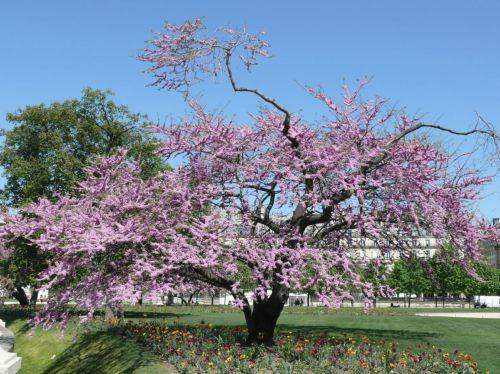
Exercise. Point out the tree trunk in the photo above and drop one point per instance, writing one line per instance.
(109, 313)
(33, 298)
(261, 322)
(21, 297)
(170, 298)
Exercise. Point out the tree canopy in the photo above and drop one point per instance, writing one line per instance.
(45, 153)
(279, 195)
(443, 275)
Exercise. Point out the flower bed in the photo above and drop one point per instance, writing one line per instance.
(203, 348)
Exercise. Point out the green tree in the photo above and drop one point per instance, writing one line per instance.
(409, 276)
(487, 284)
(45, 151)
(449, 278)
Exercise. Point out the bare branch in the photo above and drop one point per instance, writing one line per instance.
(267, 99)
(475, 130)
(272, 195)
(343, 225)
(266, 222)
(376, 161)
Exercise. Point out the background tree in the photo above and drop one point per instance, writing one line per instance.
(488, 283)
(300, 188)
(409, 276)
(45, 153)
(443, 275)
(446, 275)
(449, 278)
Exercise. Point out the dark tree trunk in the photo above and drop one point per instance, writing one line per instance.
(188, 301)
(112, 312)
(170, 298)
(109, 313)
(261, 321)
(33, 298)
(21, 297)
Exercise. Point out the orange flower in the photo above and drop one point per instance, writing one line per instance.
(251, 364)
(363, 364)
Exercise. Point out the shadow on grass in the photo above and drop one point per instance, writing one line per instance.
(152, 314)
(370, 333)
(10, 315)
(100, 352)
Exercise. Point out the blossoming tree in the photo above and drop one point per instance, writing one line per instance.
(277, 198)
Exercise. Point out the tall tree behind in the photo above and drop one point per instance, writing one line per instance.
(409, 276)
(45, 153)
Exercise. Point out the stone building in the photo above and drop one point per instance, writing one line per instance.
(492, 250)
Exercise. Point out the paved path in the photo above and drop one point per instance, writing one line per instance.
(461, 315)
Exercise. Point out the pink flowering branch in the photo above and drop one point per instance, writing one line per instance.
(279, 198)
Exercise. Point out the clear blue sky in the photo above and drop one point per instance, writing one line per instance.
(439, 58)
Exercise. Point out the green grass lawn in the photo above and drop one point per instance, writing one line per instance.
(99, 351)
(78, 351)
